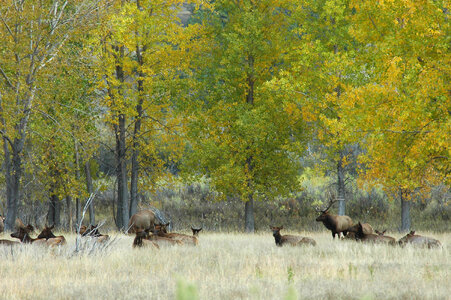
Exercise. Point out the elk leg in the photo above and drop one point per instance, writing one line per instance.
(333, 234)
(345, 233)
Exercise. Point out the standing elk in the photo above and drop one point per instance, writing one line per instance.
(48, 235)
(334, 223)
(360, 235)
(419, 240)
(186, 239)
(196, 231)
(142, 220)
(291, 240)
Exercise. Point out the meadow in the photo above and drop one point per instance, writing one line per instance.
(227, 266)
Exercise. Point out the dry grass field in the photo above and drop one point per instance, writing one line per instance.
(228, 266)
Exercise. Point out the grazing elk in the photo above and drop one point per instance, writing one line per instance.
(186, 239)
(360, 235)
(334, 223)
(48, 235)
(291, 240)
(93, 232)
(141, 240)
(419, 240)
(196, 231)
(142, 220)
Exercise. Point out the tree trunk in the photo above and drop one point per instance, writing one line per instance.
(249, 220)
(53, 216)
(341, 186)
(405, 212)
(122, 214)
(92, 217)
(69, 224)
(77, 176)
(13, 181)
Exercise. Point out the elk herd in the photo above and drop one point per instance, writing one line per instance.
(150, 234)
(343, 225)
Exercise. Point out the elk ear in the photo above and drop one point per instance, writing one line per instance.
(412, 232)
(383, 232)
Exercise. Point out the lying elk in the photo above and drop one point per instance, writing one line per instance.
(419, 240)
(371, 237)
(334, 223)
(48, 235)
(196, 231)
(162, 241)
(291, 240)
(142, 220)
(367, 229)
(93, 232)
(141, 240)
(23, 235)
(186, 239)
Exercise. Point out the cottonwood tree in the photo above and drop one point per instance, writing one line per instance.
(403, 111)
(242, 133)
(140, 50)
(323, 66)
(32, 34)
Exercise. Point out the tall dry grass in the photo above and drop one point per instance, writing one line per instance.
(228, 266)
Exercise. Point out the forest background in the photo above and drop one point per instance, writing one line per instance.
(230, 115)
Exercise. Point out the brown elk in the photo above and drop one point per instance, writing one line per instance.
(141, 240)
(23, 235)
(419, 240)
(196, 231)
(186, 239)
(142, 220)
(93, 232)
(336, 224)
(360, 235)
(292, 240)
(48, 235)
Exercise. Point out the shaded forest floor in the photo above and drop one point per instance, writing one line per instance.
(228, 266)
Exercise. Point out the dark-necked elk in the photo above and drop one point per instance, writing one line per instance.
(196, 231)
(142, 220)
(334, 223)
(48, 235)
(141, 240)
(93, 232)
(292, 240)
(419, 240)
(23, 235)
(360, 235)
(186, 239)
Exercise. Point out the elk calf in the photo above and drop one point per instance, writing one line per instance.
(291, 240)
(336, 224)
(419, 240)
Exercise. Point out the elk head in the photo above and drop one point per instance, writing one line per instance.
(324, 212)
(196, 231)
(381, 233)
(47, 233)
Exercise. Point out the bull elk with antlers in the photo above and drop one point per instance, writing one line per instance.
(334, 223)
